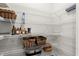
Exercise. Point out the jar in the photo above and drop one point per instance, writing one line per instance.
(17, 31)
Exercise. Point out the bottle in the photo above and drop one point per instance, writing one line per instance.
(18, 31)
(24, 31)
(13, 30)
(29, 30)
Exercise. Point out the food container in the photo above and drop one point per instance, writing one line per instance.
(33, 51)
(47, 47)
(29, 42)
(41, 40)
(6, 15)
(10, 15)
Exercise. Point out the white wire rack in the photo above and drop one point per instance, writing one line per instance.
(14, 51)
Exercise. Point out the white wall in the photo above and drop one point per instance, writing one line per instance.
(40, 20)
(68, 36)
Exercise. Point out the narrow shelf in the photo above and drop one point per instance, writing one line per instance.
(2, 36)
(4, 21)
(36, 24)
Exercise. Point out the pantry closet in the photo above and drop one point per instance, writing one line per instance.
(48, 19)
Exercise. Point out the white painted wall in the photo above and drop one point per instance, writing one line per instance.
(68, 36)
(40, 21)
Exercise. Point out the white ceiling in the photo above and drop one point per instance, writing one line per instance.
(45, 7)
